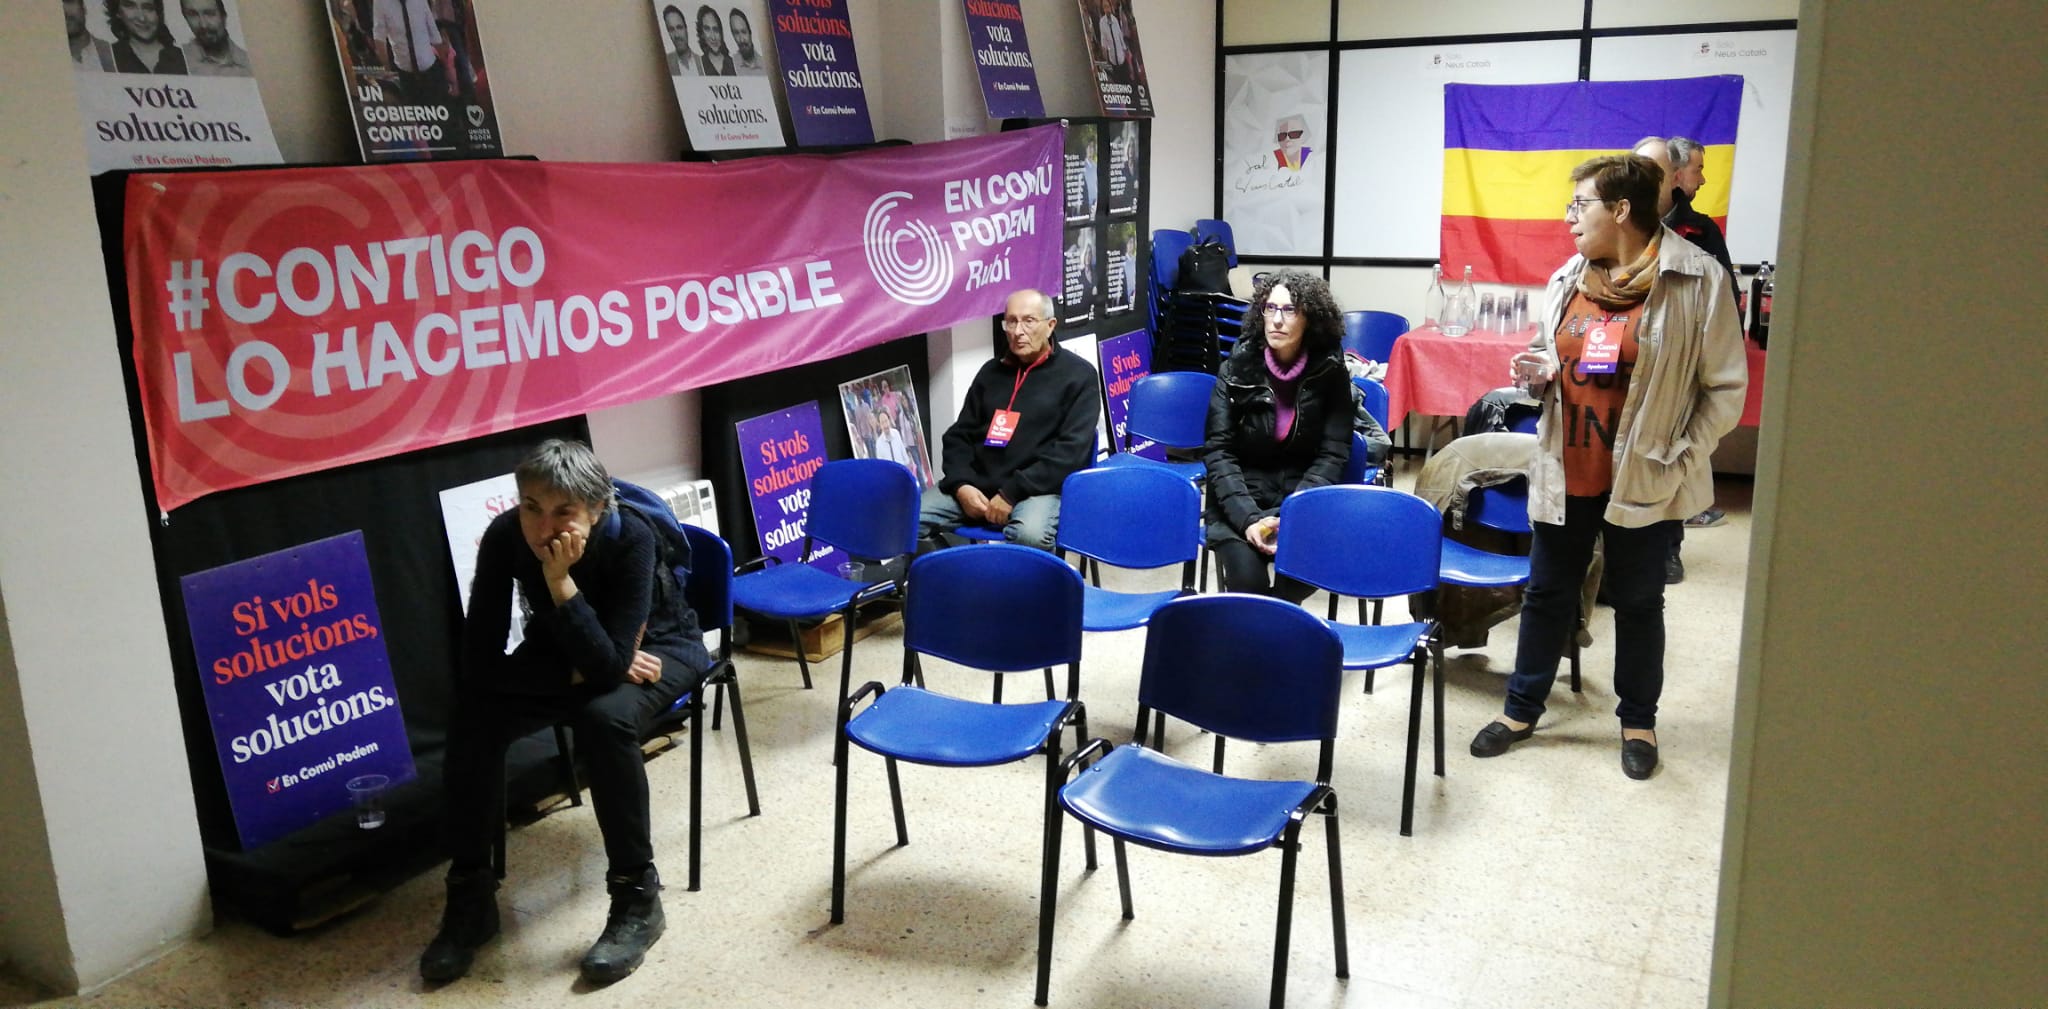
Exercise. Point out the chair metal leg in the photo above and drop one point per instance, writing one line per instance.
(1051, 692)
(896, 802)
(739, 728)
(718, 708)
(1048, 881)
(1368, 679)
(839, 822)
(997, 698)
(1414, 739)
(1123, 876)
(1437, 682)
(1337, 933)
(845, 654)
(1290, 847)
(803, 665)
(1219, 754)
(696, 787)
(1159, 730)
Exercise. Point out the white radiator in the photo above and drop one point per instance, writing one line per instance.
(691, 500)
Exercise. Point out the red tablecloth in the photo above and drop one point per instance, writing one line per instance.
(1442, 376)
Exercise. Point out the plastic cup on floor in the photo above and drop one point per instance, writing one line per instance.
(366, 794)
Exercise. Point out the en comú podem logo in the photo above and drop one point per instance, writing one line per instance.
(918, 275)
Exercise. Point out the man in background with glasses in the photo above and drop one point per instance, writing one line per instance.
(1028, 422)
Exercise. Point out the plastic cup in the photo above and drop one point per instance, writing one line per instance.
(854, 571)
(366, 794)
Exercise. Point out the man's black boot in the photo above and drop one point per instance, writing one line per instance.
(470, 920)
(634, 924)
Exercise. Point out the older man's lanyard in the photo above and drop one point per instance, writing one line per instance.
(1003, 425)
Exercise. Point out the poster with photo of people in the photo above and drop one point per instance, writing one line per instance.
(1083, 173)
(1111, 33)
(1124, 177)
(165, 84)
(415, 78)
(883, 422)
(1080, 276)
(1120, 267)
(721, 62)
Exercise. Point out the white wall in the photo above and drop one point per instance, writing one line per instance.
(101, 866)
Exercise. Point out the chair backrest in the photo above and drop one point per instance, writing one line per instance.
(1359, 465)
(1371, 542)
(1375, 398)
(1171, 408)
(1210, 228)
(1131, 516)
(1524, 422)
(866, 507)
(1243, 666)
(1371, 334)
(1000, 607)
(1503, 506)
(708, 589)
(1167, 245)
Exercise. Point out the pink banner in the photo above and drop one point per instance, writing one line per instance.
(293, 320)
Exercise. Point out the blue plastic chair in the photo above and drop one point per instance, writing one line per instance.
(1372, 542)
(1502, 507)
(1243, 666)
(865, 507)
(1130, 517)
(1171, 408)
(1210, 228)
(946, 615)
(1167, 245)
(1371, 334)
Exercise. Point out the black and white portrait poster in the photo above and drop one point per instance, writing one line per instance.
(414, 73)
(1120, 267)
(1123, 168)
(1275, 121)
(1083, 173)
(722, 62)
(165, 84)
(1080, 277)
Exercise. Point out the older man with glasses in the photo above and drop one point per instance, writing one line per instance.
(1028, 422)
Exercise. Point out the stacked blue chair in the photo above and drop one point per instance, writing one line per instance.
(1503, 507)
(1372, 542)
(1243, 666)
(1167, 245)
(946, 615)
(864, 507)
(1210, 229)
(1130, 517)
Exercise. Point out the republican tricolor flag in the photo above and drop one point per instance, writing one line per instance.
(1509, 151)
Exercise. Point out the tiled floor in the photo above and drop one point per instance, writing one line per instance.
(1542, 878)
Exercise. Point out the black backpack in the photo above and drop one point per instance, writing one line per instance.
(1205, 266)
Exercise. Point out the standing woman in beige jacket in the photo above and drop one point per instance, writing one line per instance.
(1638, 361)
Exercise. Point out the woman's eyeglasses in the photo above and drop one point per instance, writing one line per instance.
(1571, 210)
(1284, 313)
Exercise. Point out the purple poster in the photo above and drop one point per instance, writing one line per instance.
(779, 452)
(297, 683)
(821, 73)
(1002, 56)
(1125, 360)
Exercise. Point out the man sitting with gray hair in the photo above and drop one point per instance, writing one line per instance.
(609, 645)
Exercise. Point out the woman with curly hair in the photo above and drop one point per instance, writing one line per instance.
(1279, 421)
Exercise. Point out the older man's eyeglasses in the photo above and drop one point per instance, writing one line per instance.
(1284, 313)
(1572, 209)
(1025, 322)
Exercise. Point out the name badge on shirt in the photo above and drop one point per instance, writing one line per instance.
(1602, 354)
(1001, 428)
